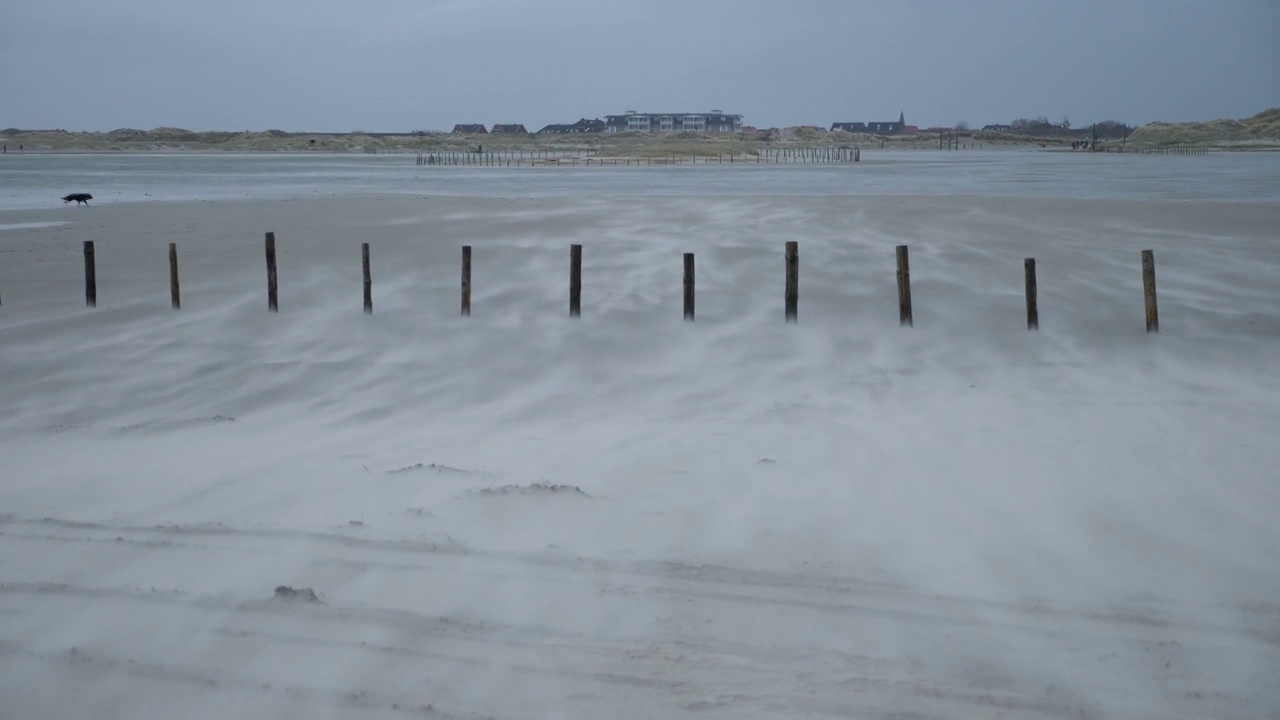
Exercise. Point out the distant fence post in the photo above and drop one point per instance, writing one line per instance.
(792, 297)
(688, 287)
(575, 280)
(175, 295)
(273, 304)
(904, 288)
(1149, 290)
(1033, 311)
(90, 276)
(466, 280)
(368, 278)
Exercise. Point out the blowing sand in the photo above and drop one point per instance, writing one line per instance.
(519, 515)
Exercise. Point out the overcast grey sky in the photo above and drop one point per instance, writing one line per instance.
(391, 65)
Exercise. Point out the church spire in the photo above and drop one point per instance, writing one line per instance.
(902, 118)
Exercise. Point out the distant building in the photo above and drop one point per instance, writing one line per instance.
(582, 126)
(880, 128)
(463, 129)
(849, 127)
(712, 122)
(998, 128)
(512, 129)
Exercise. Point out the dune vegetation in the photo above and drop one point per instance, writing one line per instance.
(1262, 129)
(168, 139)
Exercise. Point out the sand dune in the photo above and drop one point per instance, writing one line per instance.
(522, 515)
(1262, 129)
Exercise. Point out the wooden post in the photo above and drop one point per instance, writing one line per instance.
(175, 296)
(904, 288)
(688, 287)
(1033, 311)
(792, 297)
(90, 276)
(466, 280)
(575, 280)
(368, 279)
(273, 304)
(1149, 290)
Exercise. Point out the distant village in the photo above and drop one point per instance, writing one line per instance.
(713, 122)
(717, 122)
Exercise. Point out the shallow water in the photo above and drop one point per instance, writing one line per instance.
(35, 181)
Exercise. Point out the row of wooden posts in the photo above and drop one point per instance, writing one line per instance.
(791, 294)
(1131, 150)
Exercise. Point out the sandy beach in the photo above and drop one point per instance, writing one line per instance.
(518, 514)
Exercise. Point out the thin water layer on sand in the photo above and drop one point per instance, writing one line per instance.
(40, 181)
(32, 225)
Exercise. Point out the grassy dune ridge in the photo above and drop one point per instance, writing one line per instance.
(1261, 129)
(167, 139)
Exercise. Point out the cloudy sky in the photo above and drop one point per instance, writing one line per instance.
(392, 65)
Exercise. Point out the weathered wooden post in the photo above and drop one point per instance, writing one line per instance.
(368, 278)
(1149, 290)
(792, 296)
(857, 154)
(466, 280)
(90, 276)
(175, 296)
(575, 280)
(904, 288)
(1033, 311)
(688, 287)
(273, 304)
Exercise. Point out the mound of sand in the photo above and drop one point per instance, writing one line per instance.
(1263, 128)
(172, 133)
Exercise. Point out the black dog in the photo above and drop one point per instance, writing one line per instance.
(79, 198)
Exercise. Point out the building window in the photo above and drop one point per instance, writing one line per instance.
(693, 123)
